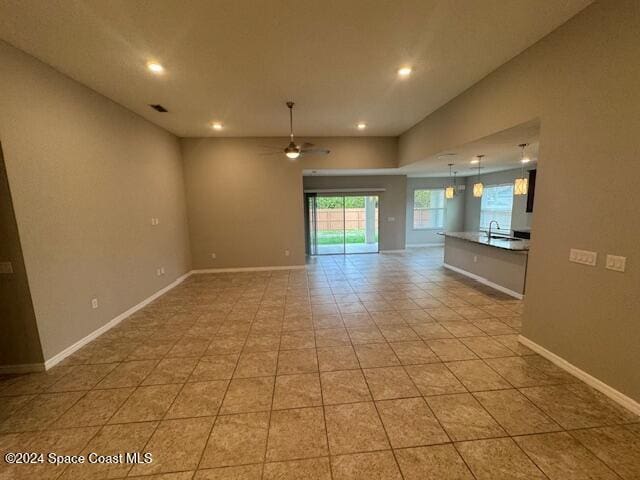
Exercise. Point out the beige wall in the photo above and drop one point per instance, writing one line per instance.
(86, 177)
(352, 152)
(581, 81)
(19, 341)
(244, 206)
(454, 220)
(392, 202)
(245, 198)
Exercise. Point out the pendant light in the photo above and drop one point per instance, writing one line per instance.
(521, 185)
(478, 188)
(450, 191)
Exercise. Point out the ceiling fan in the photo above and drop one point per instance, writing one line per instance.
(293, 150)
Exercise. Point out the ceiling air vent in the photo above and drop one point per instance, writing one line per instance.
(159, 108)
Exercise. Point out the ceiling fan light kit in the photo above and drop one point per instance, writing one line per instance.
(293, 150)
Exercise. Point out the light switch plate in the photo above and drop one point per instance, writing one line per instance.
(6, 267)
(584, 257)
(391, 219)
(616, 263)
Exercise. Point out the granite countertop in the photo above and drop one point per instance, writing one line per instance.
(481, 238)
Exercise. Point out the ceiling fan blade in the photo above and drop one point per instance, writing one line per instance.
(315, 151)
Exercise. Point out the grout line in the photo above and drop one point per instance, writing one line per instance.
(229, 318)
(375, 406)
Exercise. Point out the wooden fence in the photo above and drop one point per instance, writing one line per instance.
(332, 218)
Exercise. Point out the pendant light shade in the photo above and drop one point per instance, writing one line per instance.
(521, 185)
(450, 191)
(478, 187)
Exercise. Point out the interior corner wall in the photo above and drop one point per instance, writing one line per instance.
(519, 217)
(454, 213)
(581, 82)
(19, 342)
(392, 201)
(86, 177)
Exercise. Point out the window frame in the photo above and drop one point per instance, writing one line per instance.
(443, 208)
(502, 230)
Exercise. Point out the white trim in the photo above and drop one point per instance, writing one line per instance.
(618, 397)
(343, 190)
(22, 368)
(484, 281)
(246, 269)
(51, 362)
(432, 244)
(399, 250)
(112, 323)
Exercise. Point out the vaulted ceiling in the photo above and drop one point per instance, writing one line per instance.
(237, 62)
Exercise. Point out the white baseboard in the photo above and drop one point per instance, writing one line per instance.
(399, 250)
(22, 368)
(247, 269)
(417, 245)
(484, 281)
(26, 368)
(112, 323)
(618, 397)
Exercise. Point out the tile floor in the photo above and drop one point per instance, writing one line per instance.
(361, 367)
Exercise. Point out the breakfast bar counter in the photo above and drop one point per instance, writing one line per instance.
(497, 261)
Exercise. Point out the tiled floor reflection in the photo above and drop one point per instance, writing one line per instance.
(359, 367)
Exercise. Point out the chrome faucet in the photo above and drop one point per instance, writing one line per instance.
(490, 224)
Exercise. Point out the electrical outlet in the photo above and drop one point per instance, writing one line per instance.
(584, 257)
(287, 253)
(213, 256)
(475, 259)
(161, 270)
(616, 263)
(94, 303)
(6, 267)
(158, 272)
(391, 219)
(155, 221)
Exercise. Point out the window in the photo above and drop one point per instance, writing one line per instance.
(497, 203)
(428, 209)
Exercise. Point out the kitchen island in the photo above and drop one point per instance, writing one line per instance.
(499, 262)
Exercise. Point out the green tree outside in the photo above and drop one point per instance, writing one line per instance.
(336, 202)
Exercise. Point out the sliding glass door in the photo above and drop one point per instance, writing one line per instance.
(341, 224)
(330, 232)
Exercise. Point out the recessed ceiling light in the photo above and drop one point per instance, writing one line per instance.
(405, 71)
(216, 126)
(474, 161)
(155, 67)
(362, 126)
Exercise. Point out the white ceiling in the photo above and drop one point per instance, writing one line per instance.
(238, 61)
(500, 150)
